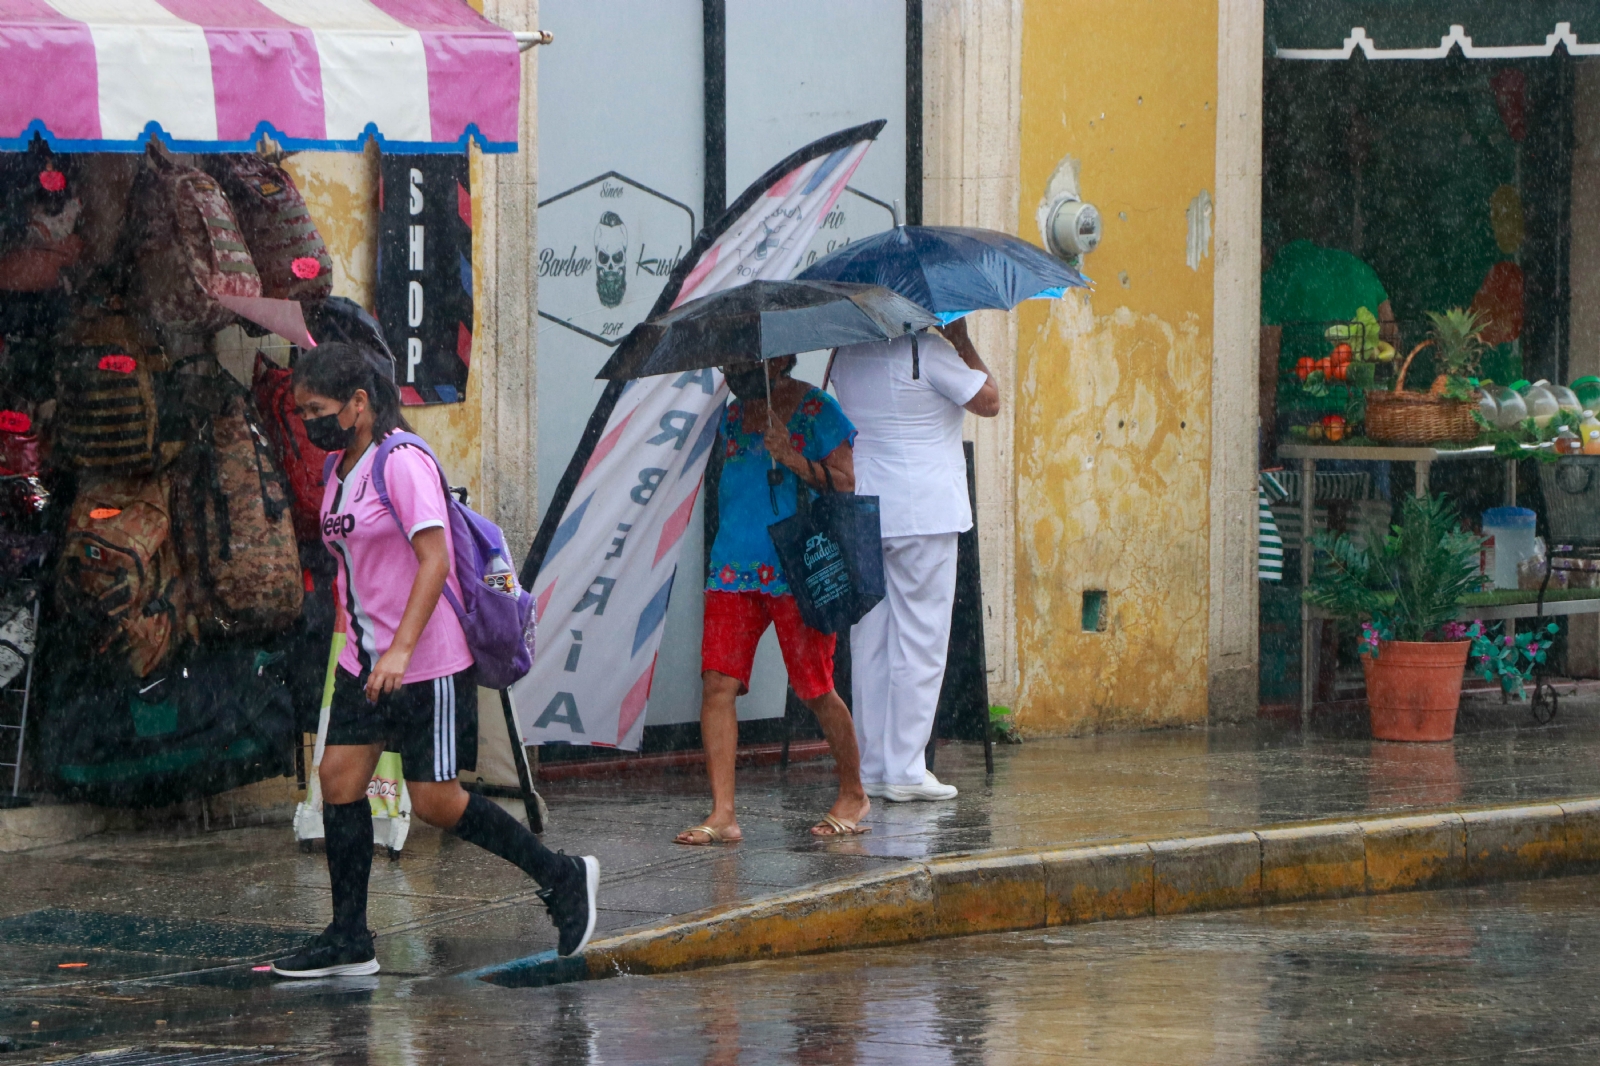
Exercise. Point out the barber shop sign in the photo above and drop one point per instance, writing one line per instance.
(606, 249)
(425, 273)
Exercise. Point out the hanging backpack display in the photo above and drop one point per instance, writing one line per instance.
(187, 248)
(284, 243)
(117, 575)
(231, 519)
(107, 410)
(299, 459)
(216, 719)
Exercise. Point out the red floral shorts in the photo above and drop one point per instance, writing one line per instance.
(734, 623)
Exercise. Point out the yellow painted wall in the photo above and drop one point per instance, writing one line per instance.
(341, 190)
(1113, 388)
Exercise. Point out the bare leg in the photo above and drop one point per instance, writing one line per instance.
(719, 732)
(852, 804)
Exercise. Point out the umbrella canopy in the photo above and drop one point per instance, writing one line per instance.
(762, 320)
(950, 270)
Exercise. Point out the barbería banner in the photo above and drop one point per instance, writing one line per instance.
(425, 273)
(603, 565)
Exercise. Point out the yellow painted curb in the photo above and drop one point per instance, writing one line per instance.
(1007, 890)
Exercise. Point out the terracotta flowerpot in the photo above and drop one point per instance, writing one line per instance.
(1414, 688)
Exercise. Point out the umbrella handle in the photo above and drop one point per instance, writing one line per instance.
(916, 357)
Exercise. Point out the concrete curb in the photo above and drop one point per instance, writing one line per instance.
(1009, 890)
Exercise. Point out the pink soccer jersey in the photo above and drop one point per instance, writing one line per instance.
(377, 566)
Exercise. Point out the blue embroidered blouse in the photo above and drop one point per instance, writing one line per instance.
(742, 557)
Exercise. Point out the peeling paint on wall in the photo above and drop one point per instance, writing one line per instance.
(1113, 399)
(1198, 217)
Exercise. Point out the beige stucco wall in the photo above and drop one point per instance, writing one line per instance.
(1113, 396)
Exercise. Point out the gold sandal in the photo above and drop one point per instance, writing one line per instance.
(840, 827)
(712, 835)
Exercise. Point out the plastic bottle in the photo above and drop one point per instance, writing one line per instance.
(1513, 534)
(500, 576)
(1567, 400)
(1511, 408)
(1588, 391)
(1488, 408)
(1541, 404)
(1567, 442)
(1590, 432)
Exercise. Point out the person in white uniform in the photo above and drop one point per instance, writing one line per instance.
(908, 412)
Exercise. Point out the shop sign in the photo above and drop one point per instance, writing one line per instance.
(855, 215)
(425, 273)
(606, 250)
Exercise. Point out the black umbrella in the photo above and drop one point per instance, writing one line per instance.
(762, 320)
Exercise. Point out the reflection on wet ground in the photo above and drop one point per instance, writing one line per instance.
(1503, 973)
(140, 906)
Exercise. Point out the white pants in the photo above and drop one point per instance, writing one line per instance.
(897, 657)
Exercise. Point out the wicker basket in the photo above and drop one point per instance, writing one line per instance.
(1402, 417)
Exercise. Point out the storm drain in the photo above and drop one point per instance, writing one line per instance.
(183, 1056)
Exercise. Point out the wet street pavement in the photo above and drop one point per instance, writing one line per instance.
(1507, 973)
(79, 922)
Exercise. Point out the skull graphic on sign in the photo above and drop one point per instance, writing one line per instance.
(610, 259)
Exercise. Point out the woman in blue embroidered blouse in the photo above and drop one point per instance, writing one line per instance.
(807, 439)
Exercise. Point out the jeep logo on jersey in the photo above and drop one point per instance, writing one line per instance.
(606, 249)
(335, 526)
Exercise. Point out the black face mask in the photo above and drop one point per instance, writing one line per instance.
(747, 384)
(326, 433)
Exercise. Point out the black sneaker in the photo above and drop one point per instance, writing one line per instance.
(571, 903)
(330, 954)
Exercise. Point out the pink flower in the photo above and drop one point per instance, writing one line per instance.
(52, 180)
(1510, 641)
(728, 575)
(306, 267)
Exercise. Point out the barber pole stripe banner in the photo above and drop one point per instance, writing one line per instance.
(604, 563)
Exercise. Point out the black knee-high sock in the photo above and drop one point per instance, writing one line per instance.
(494, 830)
(348, 829)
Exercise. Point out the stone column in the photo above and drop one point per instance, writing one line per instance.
(972, 58)
(504, 355)
(1233, 645)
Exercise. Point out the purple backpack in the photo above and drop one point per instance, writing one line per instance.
(496, 614)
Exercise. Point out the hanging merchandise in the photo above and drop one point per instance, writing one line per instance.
(299, 459)
(187, 248)
(231, 518)
(278, 228)
(38, 223)
(107, 410)
(118, 585)
(216, 719)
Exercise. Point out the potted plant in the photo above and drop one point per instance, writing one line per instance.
(1405, 591)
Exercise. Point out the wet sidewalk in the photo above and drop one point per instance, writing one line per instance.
(152, 903)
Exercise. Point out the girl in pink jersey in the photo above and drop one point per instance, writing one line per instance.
(405, 680)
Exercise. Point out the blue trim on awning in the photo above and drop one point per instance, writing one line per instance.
(264, 129)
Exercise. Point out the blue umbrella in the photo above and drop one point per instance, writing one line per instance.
(950, 270)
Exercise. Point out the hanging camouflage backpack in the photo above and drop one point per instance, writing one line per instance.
(233, 525)
(106, 404)
(284, 243)
(187, 248)
(118, 576)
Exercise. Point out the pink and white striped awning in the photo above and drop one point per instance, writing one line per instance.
(214, 75)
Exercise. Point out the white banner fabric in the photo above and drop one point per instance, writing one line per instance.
(607, 576)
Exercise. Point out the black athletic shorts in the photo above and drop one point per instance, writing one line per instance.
(433, 725)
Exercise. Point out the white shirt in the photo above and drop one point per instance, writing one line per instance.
(908, 451)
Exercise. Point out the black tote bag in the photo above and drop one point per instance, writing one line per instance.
(831, 550)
